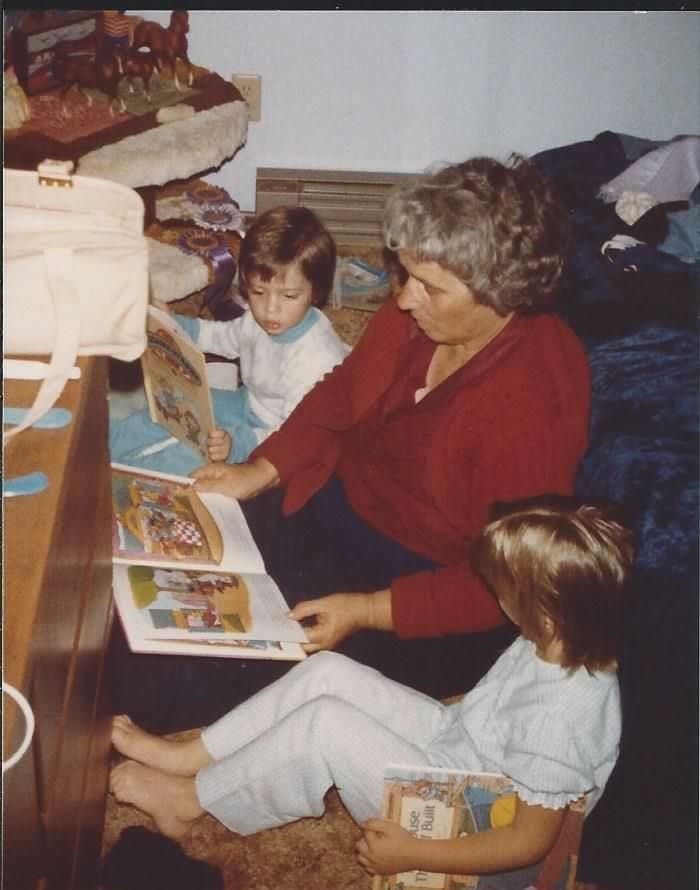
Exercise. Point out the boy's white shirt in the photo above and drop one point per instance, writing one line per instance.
(276, 374)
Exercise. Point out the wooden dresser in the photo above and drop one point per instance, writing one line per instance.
(56, 625)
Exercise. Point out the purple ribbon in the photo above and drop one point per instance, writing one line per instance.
(214, 250)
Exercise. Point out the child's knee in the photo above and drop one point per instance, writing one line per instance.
(333, 670)
(332, 718)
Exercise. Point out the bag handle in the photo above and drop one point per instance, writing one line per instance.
(28, 714)
(59, 270)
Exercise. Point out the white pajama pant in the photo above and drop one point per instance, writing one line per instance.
(328, 721)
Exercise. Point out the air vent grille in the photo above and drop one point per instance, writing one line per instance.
(350, 203)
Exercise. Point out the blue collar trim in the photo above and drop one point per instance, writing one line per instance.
(293, 334)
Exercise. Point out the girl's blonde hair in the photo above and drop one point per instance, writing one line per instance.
(564, 560)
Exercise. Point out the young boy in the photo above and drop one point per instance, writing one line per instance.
(284, 342)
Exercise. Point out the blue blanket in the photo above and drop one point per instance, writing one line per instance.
(637, 317)
(643, 450)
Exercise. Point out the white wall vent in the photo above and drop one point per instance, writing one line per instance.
(349, 203)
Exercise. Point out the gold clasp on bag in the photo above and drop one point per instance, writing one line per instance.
(56, 173)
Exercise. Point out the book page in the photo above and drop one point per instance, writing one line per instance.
(239, 550)
(175, 381)
(189, 605)
(271, 650)
(159, 519)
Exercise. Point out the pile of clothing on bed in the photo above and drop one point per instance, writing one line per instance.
(631, 293)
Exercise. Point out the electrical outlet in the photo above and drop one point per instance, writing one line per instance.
(250, 88)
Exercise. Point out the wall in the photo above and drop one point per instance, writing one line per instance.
(402, 90)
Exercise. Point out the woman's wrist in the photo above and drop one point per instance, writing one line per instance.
(378, 610)
(262, 475)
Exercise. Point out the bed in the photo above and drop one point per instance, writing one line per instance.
(631, 293)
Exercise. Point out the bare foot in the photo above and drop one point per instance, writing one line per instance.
(171, 801)
(177, 758)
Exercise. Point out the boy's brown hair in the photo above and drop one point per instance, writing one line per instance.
(285, 235)
(566, 560)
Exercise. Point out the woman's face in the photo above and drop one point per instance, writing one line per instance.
(282, 302)
(442, 305)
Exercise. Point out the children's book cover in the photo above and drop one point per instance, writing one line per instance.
(175, 381)
(176, 611)
(435, 803)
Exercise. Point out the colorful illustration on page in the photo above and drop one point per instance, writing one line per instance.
(196, 602)
(156, 517)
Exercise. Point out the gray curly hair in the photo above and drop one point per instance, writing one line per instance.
(497, 226)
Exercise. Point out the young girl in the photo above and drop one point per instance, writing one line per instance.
(284, 342)
(547, 714)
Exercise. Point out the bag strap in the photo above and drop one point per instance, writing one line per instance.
(30, 242)
(59, 270)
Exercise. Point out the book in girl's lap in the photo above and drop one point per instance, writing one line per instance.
(284, 342)
(547, 715)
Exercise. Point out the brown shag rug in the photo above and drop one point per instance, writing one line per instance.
(311, 854)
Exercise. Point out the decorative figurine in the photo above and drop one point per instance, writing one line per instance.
(168, 44)
(136, 63)
(118, 29)
(83, 72)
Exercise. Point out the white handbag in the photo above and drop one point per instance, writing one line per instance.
(75, 274)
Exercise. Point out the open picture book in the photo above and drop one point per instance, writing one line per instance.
(176, 383)
(436, 803)
(188, 577)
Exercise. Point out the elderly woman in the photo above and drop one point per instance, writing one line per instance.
(462, 392)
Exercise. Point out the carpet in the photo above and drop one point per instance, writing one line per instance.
(311, 854)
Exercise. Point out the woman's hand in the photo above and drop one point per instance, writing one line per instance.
(385, 848)
(219, 444)
(240, 481)
(341, 614)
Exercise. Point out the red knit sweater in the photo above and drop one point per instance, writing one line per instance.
(511, 423)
